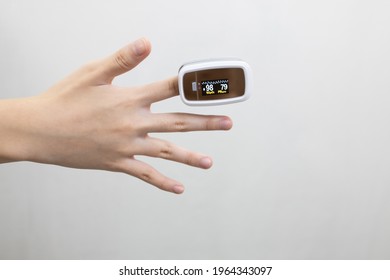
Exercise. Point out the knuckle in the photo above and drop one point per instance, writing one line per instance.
(166, 151)
(145, 176)
(152, 178)
(163, 184)
(122, 61)
(180, 126)
(209, 124)
(190, 159)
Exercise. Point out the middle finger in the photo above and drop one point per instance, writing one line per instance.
(182, 122)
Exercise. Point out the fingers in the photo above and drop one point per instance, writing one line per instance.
(181, 122)
(158, 148)
(148, 174)
(154, 147)
(160, 90)
(124, 59)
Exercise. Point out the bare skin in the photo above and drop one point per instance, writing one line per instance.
(84, 121)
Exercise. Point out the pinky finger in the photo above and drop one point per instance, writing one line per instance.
(150, 175)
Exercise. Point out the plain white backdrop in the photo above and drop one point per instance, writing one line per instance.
(303, 174)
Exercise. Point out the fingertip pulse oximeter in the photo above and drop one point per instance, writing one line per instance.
(215, 82)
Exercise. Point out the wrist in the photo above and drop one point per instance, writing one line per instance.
(16, 129)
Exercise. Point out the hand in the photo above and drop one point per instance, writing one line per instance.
(86, 122)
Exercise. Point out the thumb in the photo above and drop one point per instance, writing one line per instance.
(125, 59)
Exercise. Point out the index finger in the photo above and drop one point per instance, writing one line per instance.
(161, 90)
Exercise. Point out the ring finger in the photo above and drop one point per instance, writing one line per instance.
(158, 148)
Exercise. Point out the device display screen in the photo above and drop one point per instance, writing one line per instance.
(212, 87)
(214, 84)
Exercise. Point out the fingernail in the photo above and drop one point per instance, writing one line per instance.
(205, 162)
(178, 189)
(139, 47)
(226, 124)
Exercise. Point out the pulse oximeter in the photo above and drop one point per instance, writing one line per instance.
(215, 82)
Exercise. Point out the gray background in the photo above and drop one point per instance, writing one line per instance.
(304, 173)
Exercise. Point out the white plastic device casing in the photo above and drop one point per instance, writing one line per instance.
(216, 64)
